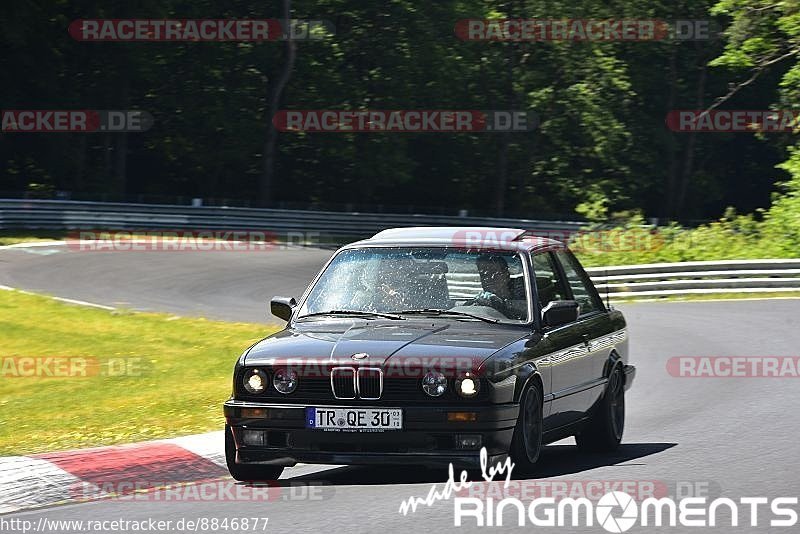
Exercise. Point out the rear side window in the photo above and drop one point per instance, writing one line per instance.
(582, 289)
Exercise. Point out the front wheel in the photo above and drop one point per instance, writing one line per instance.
(526, 445)
(247, 473)
(603, 432)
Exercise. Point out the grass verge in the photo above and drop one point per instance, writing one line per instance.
(8, 237)
(149, 375)
(711, 296)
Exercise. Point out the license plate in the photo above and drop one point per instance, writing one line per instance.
(354, 419)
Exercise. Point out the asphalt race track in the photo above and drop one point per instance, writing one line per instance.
(736, 437)
(222, 285)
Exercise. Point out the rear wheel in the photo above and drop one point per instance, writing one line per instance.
(526, 445)
(247, 473)
(603, 432)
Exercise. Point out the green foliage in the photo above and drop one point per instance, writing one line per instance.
(774, 234)
(781, 227)
(39, 190)
(601, 146)
(595, 208)
(602, 107)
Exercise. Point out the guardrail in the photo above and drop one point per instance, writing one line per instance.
(72, 215)
(697, 278)
(621, 282)
(674, 279)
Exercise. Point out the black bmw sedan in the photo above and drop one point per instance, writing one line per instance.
(432, 346)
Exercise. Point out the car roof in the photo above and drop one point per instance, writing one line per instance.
(470, 237)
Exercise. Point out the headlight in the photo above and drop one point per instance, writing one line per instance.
(254, 381)
(285, 381)
(468, 385)
(434, 383)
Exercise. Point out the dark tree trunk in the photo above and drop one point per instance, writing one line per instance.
(266, 186)
(120, 171)
(121, 165)
(502, 177)
(511, 100)
(672, 171)
(688, 166)
(80, 167)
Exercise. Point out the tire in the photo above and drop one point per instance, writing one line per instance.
(603, 431)
(526, 445)
(247, 473)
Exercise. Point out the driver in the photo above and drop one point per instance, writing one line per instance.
(496, 283)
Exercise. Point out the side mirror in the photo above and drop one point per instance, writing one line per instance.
(560, 312)
(282, 307)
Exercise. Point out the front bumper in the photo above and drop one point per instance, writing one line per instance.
(427, 437)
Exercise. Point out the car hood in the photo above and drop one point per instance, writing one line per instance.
(335, 342)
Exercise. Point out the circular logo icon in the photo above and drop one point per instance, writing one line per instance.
(360, 356)
(619, 523)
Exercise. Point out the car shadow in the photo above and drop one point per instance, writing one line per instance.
(556, 460)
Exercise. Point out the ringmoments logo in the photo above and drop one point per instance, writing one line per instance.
(615, 511)
(605, 511)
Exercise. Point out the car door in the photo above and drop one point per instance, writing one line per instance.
(564, 346)
(593, 328)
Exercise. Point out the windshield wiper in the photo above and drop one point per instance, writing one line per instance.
(354, 313)
(436, 311)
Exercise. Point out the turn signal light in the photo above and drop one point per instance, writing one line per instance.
(462, 416)
(254, 412)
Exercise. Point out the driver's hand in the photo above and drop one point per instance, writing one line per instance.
(485, 298)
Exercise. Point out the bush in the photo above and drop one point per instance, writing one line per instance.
(733, 237)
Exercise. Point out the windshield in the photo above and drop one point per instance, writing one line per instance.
(421, 281)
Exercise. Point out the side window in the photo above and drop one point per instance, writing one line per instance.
(548, 284)
(582, 289)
